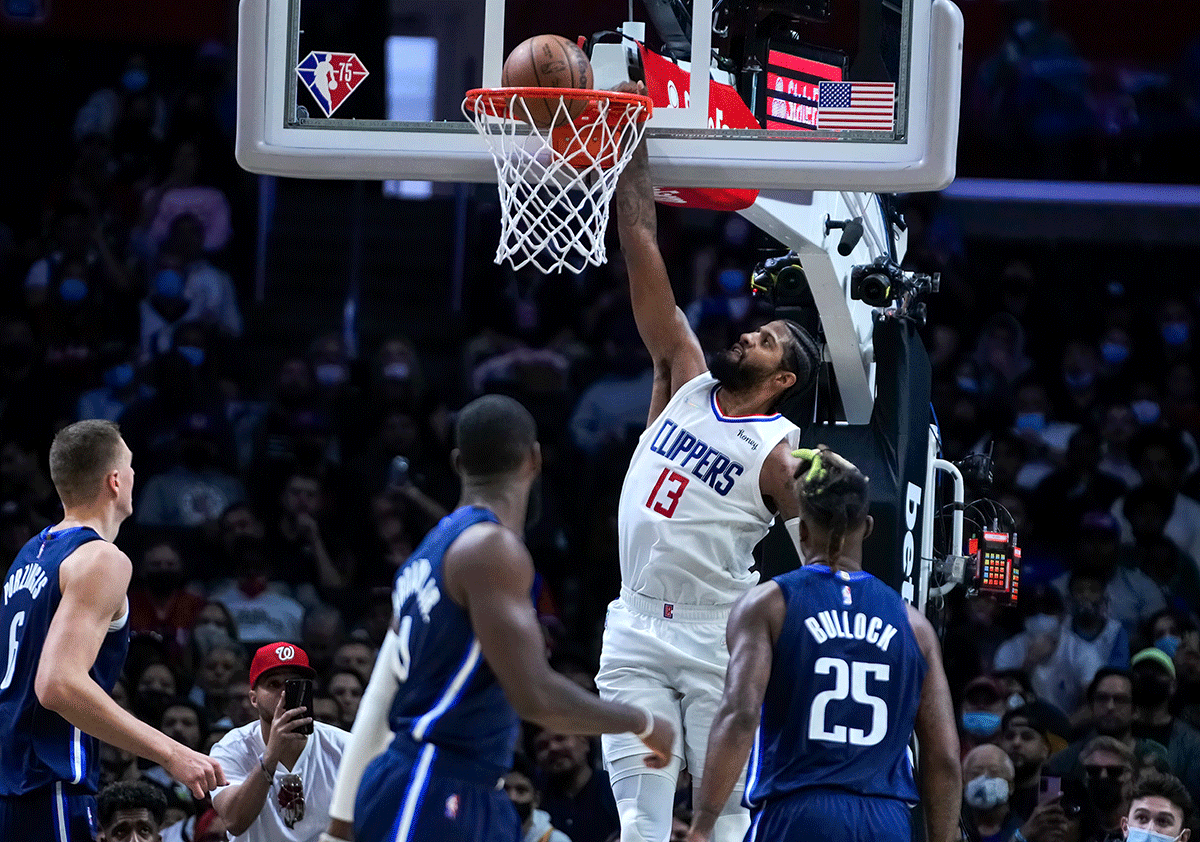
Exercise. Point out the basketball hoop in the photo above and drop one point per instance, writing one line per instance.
(556, 178)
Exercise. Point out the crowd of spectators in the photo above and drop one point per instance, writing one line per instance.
(277, 506)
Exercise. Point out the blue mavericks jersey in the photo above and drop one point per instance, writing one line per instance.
(448, 695)
(40, 747)
(844, 690)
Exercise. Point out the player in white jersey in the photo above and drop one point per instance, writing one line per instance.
(709, 474)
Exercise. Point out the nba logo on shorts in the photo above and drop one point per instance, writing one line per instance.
(452, 807)
(668, 610)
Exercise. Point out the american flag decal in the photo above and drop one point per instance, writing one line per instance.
(865, 106)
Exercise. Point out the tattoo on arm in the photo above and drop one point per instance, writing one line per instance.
(635, 197)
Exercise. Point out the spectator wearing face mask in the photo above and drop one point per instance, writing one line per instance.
(119, 385)
(1046, 438)
(1130, 596)
(161, 604)
(983, 704)
(987, 787)
(1161, 810)
(1153, 689)
(522, 790)
(1088, 604)
(1060, 663)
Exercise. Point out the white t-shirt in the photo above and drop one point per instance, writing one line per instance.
(267, 616)
(1061, 679)
(317, 767)
(691, 511)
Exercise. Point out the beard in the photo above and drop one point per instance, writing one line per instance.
(732, 371)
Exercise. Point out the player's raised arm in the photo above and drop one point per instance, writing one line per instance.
(93, 584)
(368, 738)
(663, 327)
(489, 571)
(777, 481)
(938, 749)
(751, 633)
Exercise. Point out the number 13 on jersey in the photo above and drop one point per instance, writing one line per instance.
(667, 490)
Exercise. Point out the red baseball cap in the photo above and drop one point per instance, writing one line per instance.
(279, 655)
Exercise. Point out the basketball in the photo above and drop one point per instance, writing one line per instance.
(547, 61)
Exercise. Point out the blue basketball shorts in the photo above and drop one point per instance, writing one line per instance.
(428, 798)
(51, 814)
(840, 816)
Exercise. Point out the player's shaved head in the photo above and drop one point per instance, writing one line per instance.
(494, 435)
(80, 456)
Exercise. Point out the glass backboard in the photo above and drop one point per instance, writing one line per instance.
(794, 94)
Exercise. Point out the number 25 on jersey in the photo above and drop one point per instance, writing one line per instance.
(850, 680)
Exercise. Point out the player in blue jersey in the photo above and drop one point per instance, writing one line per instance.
(65, 628)
(830, 673)
(464, 661)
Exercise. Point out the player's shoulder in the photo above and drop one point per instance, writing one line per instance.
(485, 557)
(927, 639)
(763, 602)
(96, 560)
(484, 541)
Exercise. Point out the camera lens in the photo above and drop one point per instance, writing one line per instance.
(876, 290)
(790, 281)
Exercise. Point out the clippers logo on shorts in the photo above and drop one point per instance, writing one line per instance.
(331, 77)
(701, 459)
(285, 653)
(668, 610)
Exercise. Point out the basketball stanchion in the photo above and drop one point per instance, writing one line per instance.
(556, 178)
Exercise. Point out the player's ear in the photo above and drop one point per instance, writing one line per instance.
(786, 379)
(537, 458)
(456, 462)
(869, 527)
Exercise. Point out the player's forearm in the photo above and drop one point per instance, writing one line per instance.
(368, 737)
(240, 805)
(563, 707)
(729, 745)
(636, 215)
(941, 781)
(81, 701)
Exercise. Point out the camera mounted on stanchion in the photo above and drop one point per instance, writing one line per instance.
(782, 282)
(882, 282)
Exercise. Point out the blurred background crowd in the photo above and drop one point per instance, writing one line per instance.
(291, 439)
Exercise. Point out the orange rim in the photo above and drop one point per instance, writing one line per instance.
(497, 100)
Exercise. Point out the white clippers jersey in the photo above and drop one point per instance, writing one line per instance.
(691, 511)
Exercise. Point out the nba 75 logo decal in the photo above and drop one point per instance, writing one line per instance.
(331, 77)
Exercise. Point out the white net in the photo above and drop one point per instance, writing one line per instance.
(556, 177)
